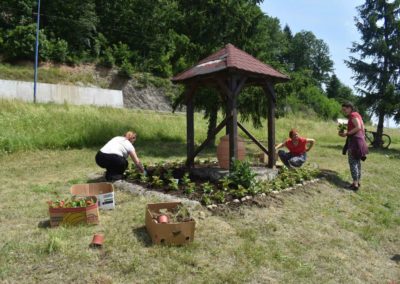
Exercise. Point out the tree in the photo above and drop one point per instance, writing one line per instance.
(74, 21)
(16, 13)
(377, 68)
(306, 52)
(337, 90)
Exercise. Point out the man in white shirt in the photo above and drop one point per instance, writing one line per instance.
(113, 156)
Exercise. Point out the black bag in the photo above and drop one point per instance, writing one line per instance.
(346, 146)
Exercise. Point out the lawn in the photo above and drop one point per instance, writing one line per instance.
(319, 234)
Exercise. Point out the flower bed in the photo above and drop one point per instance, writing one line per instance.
(173, 178)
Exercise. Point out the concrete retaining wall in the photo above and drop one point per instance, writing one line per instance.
(61, 94)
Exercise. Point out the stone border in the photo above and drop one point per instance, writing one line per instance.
(248, 197)
(139, 190)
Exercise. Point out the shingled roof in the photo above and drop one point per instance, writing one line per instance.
(230, 58)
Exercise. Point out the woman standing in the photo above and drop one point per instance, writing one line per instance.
(357, 147)
(297, 146)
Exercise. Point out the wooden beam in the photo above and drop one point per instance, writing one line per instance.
(269, 91)
(204, 144)
(225, 89)
(258, 143)
(190, 124)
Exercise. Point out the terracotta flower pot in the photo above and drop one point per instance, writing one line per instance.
(97, 241)
(223, 151)
(163, 219)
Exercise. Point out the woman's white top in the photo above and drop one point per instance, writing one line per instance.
(118, 145)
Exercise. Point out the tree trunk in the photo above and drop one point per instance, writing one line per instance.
(379, 130)
(212, 124)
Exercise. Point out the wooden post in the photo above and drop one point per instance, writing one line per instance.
(232, 124)
(269, 91)
(213, 134)
(232, 90)
(190, 126)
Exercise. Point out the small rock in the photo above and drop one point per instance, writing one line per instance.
(243, 199)
(210, 207)
(289, 188)
(236, 200)
(275, 192)
(300, 184)
(214, 206)
(249, 197)
(263, 194)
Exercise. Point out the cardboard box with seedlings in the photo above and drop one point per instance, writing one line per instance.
(169, 223)
(63, 214)
(104, 191)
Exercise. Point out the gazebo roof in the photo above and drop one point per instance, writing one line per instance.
(230, 58)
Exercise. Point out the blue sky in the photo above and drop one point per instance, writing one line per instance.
(330, 20)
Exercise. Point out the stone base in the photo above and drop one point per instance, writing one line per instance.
(213, 174)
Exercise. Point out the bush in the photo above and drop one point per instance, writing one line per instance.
(107, 59)
(122, 53)
(242, 175)
(323, 106)
(126, 69)
(19, 43)
(56, 50)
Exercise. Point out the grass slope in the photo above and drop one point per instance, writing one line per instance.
(319, 234)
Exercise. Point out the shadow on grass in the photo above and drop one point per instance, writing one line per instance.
(392, 153)
(142, 236)
(396, 258)
(333, 178)
(44, 224)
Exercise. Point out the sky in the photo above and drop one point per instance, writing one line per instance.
(329, 20)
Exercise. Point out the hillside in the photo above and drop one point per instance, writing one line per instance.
(142, 91)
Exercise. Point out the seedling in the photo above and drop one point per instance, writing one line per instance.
(206, 200)
(157, 181)
(208, 187)
(219, 196)
(185, 179)
(173, 185)
(239, 192)
(190, 188)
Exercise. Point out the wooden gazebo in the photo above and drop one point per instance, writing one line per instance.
(230, 70)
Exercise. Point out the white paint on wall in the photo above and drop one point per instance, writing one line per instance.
(61, 94)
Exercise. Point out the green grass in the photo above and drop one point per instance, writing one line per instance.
(319, 234)
(48, 74)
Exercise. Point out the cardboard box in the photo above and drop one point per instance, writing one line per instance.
(104, 191)
(168, 233)
(74, 216)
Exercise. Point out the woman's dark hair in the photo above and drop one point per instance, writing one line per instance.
(293, 132)
(348, 104)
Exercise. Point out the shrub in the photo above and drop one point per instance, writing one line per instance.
(126, 69)
(56, 50)
(19, 43)
(107, 59)
(122, 53)
(242, 175)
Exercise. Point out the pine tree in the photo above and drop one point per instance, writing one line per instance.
(377, 69)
